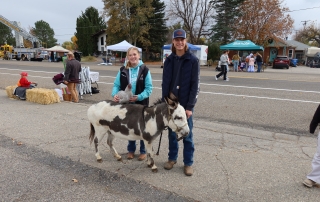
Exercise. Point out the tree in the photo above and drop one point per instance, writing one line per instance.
(68, 45)
(88, 24)
(196, 16)
(44, 33)
(128, 19)
(310, 33)
(157, 34)
(261, 20)
(74, 43)
(227, 13)
(6, 35)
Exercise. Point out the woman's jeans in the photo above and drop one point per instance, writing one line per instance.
(223, 72)
(188, 145)
(132, 147)
(235, 65)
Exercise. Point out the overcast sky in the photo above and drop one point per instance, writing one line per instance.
(62, 15)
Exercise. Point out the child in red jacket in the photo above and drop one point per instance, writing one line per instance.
(23, 82)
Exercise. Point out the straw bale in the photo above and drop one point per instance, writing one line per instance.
(9, 90)
(42, 96)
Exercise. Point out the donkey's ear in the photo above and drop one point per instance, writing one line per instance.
(173, 97)
(171, 103)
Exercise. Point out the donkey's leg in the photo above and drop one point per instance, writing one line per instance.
(150, 156)
(100, 132)
(112, 149)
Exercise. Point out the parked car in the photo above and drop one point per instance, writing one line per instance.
(281, 61)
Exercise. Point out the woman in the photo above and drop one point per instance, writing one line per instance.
(224, 59)
(138, 75)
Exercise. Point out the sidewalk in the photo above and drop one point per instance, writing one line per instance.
(231, 163)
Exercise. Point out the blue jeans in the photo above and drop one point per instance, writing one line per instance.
(188, 146)
(259, 66)
(132, 147)
(235, 65)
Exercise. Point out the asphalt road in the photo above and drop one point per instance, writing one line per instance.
(277, 100)
(240, 155)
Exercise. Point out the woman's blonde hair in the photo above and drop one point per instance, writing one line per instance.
(128, 64)
(173, 49)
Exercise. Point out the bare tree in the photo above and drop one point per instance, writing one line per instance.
(196, 17)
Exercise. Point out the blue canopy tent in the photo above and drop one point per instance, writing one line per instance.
(191, 47)
(241, 45)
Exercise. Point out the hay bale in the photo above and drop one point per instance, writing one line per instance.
(9, 90)
(42, 96)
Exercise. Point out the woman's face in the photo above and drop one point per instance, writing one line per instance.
(133, 57)
(179, 43)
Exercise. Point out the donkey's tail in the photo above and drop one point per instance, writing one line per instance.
(92, 132)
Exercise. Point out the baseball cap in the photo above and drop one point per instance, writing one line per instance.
(179, 33)
(24, 74)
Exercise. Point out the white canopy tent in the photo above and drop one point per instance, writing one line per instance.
(122, 46)
(57, 49)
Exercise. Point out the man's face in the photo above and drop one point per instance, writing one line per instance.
(179, 43)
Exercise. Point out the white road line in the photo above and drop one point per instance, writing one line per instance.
(260, 88)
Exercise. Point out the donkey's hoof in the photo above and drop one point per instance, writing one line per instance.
(155, 170)
(150, 165)
(119, 159)
(99, 160)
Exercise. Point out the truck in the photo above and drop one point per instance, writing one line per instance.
(19, 52)
(8, 52)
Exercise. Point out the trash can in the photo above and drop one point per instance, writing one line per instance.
(294, 62)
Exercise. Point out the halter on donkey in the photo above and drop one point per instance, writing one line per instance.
(136, 122)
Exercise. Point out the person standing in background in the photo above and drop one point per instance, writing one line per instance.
(259, 62)
(235, 61)
(71, 76)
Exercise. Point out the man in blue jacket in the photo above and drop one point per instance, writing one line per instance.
(181, 75)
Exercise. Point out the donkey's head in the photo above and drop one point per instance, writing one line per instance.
(177, 117)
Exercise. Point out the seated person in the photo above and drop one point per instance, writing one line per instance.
(242, 66)
(23, 82)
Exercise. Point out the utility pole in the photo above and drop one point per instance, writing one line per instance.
(305, 23)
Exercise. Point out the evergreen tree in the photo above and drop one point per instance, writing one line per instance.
(227, 14)
(158, 31)
(44, 33)
(6, 35)
(88, 24)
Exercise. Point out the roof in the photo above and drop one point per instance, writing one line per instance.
(99, 33)
(299, 46)
(242, 45)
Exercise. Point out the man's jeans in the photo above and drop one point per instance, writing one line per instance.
(188, 145)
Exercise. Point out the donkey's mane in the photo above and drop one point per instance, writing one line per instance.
(158, 101)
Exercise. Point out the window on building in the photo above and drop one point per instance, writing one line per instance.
(101, 41)
(290, 53)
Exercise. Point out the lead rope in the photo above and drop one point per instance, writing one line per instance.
(161, 136)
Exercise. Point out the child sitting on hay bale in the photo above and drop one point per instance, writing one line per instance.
(24, 82)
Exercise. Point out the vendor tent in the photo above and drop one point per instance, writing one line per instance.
(242, 45)
(122, 46)
(57, 49)
(191, 47)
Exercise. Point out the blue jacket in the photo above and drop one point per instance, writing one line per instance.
(185, 83)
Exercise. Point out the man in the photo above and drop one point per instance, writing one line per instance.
(71, 76)
(181, 75)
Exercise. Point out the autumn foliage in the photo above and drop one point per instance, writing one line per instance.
(261, 20)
